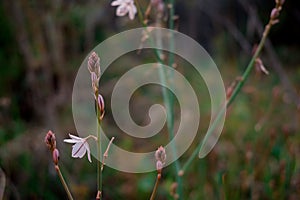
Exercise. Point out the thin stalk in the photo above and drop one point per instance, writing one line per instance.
(99, 171)
(235, 92)
(167, 98)
(155, 187)
(63, 182)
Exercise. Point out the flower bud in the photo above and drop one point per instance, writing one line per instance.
(50, 140)
(95, 81)
(94, 64)
(160, 155)
(159, 166)
(100, 102)
(55, 156)
(274, 13)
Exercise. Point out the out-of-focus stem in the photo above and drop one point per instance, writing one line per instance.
(235, 92)
(171, 98)
(167, 98)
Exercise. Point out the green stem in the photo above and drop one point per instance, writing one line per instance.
(171, 99)
(99, 171)
(167, 98)
(234, 94)
(63, 182)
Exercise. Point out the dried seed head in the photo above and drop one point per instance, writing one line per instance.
(55, 156)
(94, 64)
(50, 140)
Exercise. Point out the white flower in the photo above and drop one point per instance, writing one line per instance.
(80, 147)
(124, 7)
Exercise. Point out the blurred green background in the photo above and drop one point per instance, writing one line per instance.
(42, 44)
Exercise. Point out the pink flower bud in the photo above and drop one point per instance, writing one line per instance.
(55, 156)
(160, 155)
(274, 13)
(100, 102)
(50, 140)
(159, 166)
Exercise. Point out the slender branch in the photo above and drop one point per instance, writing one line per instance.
(63, 182)
(99, 171)
(105, 155)
(167, 98)
(155, 187)
(237, 89)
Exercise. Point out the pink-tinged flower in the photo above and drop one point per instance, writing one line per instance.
(55, 156)
(124, 7)
(160, 156)
(80, 147)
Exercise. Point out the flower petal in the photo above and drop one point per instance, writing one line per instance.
(70, 141)
(132, 11)
(87, 147)
(116, 3)
(76, 137)
(122, 10)
(78, 150)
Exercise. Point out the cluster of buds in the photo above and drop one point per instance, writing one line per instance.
(276, 11)
(95, 71)
(160, 156)
(94, 68)
(51, 143)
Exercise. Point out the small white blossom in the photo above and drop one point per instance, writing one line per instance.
(124, 7)
(80, 147)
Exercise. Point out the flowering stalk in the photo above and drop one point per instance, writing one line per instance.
(50, 141)
(94, 68)
(273, 20)
(167, 98)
